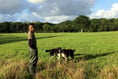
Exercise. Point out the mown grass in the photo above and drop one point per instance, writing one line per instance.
(96, 56)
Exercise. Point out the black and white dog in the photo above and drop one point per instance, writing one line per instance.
(54, 52)
(61, 53)
(65, 53)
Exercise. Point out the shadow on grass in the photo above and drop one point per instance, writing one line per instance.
(10, 39)
(49, 37)
(90, 56)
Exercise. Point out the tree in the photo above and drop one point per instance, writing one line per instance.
(65, 26)
(47, 27)
(102, 26)
(83, 22)
(94, 25)
(80, 24)
(38, 26)
(5, 27)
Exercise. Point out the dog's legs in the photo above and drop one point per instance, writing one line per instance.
(72, 55)
(59, 57)
(64, 56)
(51, 57)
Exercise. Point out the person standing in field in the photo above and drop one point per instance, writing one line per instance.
(32, 49)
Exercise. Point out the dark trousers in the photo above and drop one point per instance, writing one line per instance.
(33, 61)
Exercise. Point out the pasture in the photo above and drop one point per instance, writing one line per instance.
(96, 55)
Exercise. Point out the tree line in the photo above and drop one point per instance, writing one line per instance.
(79, 24)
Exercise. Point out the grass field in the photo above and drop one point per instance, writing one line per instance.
(96, 56)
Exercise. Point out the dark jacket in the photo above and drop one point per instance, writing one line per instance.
(32, 40)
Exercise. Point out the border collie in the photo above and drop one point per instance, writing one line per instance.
(65, 53)
(61, 53)
(54, 52)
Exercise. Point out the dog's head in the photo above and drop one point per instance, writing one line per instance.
(73, 50)
(58, 50)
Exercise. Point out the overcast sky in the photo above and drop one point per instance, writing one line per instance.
(56, 11)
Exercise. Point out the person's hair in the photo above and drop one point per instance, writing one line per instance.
(31, 24)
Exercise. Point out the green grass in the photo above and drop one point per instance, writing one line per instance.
(97, 50)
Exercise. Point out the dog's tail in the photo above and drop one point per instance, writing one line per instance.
(46, 50)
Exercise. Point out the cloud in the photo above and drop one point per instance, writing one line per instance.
(36, 1)
(56, 11)
(11, 6)
(23, 17)
(44, 10)
(58, 19)
(112, 13)
(7, 17)
(65, 7)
